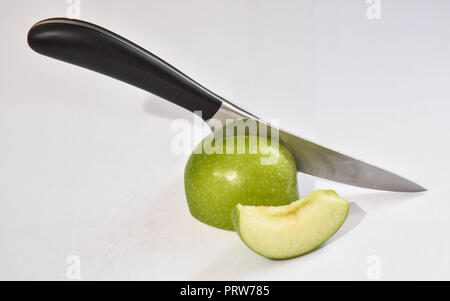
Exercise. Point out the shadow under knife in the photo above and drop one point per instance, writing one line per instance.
(159, 107)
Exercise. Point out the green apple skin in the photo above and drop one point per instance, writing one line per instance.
(215, 183)
(283, 232)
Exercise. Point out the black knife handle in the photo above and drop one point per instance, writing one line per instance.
(95, 48)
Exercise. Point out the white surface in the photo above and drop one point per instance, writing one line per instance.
(86, 166)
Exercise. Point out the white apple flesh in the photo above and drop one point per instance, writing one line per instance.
(282, 232)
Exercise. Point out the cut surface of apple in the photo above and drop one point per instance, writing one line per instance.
(281, 232)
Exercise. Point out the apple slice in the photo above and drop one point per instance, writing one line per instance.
(288, 231)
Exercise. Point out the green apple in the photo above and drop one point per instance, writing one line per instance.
(282, 232)
(215, 183)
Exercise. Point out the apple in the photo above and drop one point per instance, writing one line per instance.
(282, 232)
(215, 183)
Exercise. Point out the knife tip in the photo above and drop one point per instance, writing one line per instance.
(418, 188)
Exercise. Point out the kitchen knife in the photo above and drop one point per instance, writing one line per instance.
(95, 48)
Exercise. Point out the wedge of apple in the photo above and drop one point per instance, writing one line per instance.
(282, 232)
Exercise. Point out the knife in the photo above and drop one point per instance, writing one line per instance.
(98, 49)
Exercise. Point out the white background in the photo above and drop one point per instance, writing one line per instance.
(86, 167)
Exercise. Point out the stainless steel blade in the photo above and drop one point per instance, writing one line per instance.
(314, 159)
(320, 161)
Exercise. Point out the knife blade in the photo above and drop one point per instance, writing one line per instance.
(98, 49)
(316, 160)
